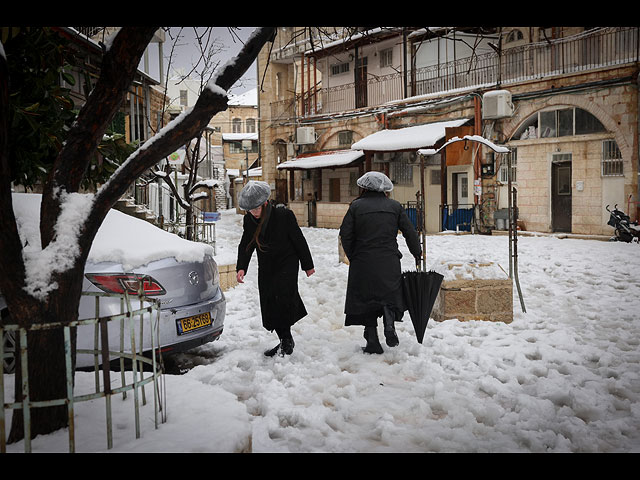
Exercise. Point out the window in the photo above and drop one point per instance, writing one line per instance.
(339, 68)
(559, 123)
(402, 170)
(435, 176)
(514, 36)
(504, 166)
(386, 57)
(183, 98)
(236, 125)
(251, 125)
(236, 147)
(345, 138)
(611, 159)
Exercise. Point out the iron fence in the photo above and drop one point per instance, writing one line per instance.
(102, 353)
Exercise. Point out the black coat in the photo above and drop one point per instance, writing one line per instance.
(369, 234)
(284, 250)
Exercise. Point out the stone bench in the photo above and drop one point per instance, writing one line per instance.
(475, 291)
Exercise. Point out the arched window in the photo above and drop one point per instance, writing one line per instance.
(251, 125)
(560, 122)
(514, 36)
(236, 125)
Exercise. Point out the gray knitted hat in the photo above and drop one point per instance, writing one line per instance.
(254, 194)
(376, 181)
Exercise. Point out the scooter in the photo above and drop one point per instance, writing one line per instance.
(625, 229)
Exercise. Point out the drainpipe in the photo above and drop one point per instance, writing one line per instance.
(478, 131)
(637, 202)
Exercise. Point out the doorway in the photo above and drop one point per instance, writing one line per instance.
(561, 192)
(361, 82)
(460, 193)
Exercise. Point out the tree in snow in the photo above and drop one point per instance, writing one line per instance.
(44, 285)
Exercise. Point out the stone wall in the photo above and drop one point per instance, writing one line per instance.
(328, 214)
(481, 291)
(227, 276)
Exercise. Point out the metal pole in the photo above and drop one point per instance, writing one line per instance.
(422, 216)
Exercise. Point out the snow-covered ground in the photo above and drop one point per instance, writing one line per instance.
(563, 377)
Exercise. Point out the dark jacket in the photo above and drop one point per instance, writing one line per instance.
(284, 251)
(369, 234)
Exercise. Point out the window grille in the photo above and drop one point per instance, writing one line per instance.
(611, 159)
(401, 171)
(345, 138)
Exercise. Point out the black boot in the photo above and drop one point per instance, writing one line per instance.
(388, 320)
(272, 352)
(373, 344)
(286, 346)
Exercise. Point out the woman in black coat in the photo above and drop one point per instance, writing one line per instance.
(368, 234)
(281, 248)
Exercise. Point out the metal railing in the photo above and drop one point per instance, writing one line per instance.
(459, 217)
(102, 355)
(590, 50)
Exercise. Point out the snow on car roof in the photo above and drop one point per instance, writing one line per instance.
(121, 238)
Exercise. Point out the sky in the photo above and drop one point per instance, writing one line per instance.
(187, 52)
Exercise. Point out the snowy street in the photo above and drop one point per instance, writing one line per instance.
(563, 377)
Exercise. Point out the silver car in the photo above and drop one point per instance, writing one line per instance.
(192, 304)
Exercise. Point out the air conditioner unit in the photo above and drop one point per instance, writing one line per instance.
(305, 135)
(497, 104)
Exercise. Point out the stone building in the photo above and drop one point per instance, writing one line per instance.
(564, 100)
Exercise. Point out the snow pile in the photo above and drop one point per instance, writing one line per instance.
(563, 377)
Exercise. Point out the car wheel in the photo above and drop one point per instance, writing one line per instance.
(9, 344)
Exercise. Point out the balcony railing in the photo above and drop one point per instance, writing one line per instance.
(579, 53)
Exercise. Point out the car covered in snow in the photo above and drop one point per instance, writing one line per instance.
(126, 253)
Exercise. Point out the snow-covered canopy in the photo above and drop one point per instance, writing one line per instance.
(234, 137)
(408, 138)
(474, 138)
(327, 159)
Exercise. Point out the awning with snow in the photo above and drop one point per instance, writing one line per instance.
(236, 137)
(473, 138)
(408, 138)
(327, 159)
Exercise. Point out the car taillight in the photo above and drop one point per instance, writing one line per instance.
(130, 283)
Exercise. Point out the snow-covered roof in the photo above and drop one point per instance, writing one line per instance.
(230, 137)
(327, 159)
(408, 138)
(246, 99)
(239, 172)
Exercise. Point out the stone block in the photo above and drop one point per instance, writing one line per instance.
(475, 291)
(227, 276)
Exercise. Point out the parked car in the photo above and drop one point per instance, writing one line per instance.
(128, 251)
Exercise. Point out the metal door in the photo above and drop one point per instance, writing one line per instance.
(561, 195)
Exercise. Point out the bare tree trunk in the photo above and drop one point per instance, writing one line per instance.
(46, 351)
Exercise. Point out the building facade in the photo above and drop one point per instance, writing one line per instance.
(563, 100)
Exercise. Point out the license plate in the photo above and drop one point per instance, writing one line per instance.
(189, 324)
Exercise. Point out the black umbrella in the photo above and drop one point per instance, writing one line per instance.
(420, 290)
